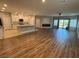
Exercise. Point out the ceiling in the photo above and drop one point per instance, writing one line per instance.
(36, 7)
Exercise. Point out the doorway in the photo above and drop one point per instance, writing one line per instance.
(63, 23)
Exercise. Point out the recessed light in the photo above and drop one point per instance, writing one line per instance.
(3, 8)
(43, 1)
(5, 5)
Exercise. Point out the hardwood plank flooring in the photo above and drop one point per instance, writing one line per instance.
(45, 43)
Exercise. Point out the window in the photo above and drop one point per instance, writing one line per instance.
(55, 22)
(73, 23)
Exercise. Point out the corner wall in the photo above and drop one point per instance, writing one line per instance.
(43, 20)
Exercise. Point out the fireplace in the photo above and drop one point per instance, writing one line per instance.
(46, 25)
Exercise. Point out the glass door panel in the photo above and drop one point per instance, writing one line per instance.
(55, 23)
(63, 23)
(66, 22)
(73, 23)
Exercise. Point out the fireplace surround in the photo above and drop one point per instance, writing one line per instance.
(45, 25)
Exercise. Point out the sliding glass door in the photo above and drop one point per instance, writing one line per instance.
(63, 23)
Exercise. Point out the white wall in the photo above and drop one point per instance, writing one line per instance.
(43, 20)
(38, 23)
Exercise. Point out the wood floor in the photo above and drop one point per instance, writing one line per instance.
(44, 43)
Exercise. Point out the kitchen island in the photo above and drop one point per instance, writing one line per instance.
(20, 29)
(25, 28)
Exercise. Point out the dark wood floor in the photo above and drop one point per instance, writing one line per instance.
(44, 43)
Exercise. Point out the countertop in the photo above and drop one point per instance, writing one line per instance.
(25, 25)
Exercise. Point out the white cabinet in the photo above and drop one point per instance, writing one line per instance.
(6, 20)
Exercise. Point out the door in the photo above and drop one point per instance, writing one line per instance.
(55, 24)
(63, 23)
